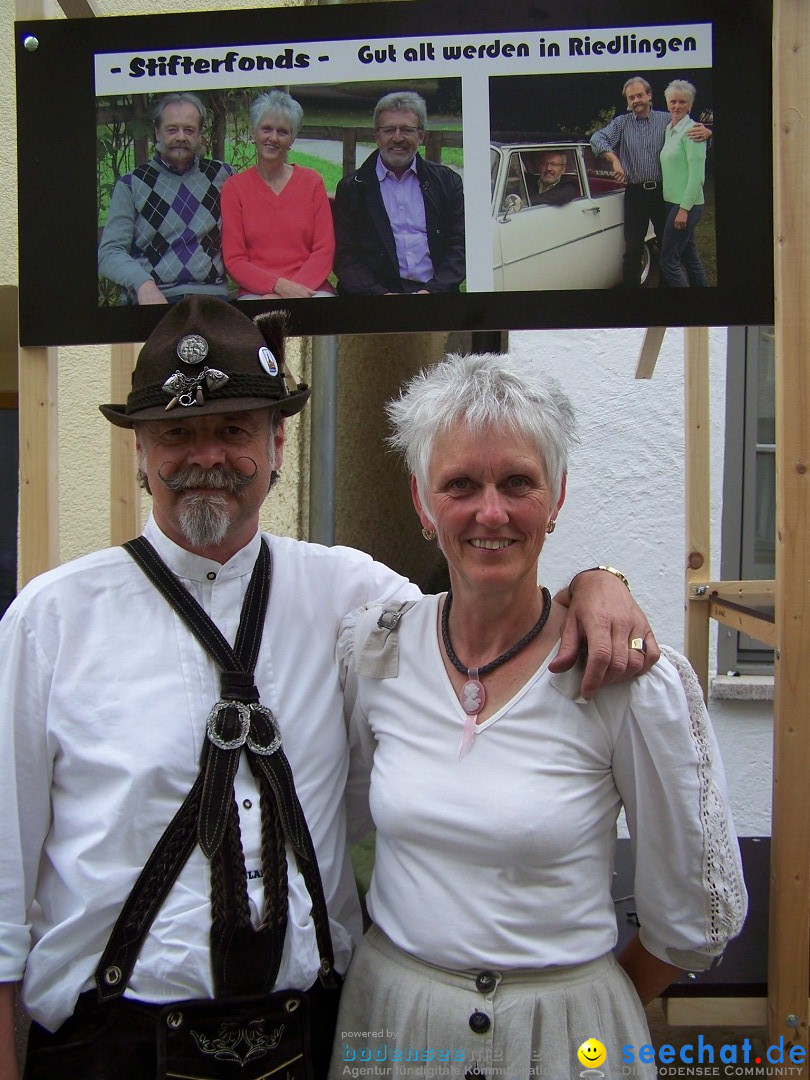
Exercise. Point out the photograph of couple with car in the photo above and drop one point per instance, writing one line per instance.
(591, 194)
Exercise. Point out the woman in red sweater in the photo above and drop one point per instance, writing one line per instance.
(277, 234)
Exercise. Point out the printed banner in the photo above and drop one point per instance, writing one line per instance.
(532, 169)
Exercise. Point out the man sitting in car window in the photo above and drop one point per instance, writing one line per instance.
(548, 168)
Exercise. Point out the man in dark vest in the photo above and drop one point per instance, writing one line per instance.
(163, 236)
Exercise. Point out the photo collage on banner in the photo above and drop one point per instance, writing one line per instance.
(526, 213)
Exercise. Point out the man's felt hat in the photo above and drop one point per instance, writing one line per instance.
(206, 357)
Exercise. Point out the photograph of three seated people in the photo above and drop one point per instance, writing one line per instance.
(219, 198)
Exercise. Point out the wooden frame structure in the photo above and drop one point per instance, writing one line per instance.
(735, 603)
(789, 948)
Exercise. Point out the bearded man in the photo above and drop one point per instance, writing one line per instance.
(163, 236)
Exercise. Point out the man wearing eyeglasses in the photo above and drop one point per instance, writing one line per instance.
(399, 220)
(553, 188)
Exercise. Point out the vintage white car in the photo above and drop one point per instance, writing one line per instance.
(572, 238)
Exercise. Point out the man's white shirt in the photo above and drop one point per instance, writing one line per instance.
(105, 695)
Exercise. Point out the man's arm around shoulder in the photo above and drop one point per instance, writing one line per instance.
(605, 619)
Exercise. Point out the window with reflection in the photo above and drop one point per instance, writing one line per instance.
(749, 484)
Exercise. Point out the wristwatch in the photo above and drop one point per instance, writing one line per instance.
(608, 569)
(615, 572)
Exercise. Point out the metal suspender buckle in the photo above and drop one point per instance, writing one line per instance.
(264, 736)
(220, 723)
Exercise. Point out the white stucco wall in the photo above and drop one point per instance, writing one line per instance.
(625, 500)
(625, 507)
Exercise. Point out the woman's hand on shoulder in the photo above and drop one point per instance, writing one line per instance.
(602, 621)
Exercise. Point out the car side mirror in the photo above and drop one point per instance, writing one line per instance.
(511, 205)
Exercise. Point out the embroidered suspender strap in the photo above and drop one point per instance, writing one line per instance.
(241, 957)
(230, 720)
(146, 899)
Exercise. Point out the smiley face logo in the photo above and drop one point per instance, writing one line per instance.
(592, 1054)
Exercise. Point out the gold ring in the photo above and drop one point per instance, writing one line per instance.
(638, 644)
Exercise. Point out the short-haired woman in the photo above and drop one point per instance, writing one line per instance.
(683, 166)
(495, 789)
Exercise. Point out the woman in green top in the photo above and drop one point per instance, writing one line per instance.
(683, 165)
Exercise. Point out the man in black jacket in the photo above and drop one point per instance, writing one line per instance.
(399, 220)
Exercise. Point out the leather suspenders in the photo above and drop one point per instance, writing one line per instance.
(244, 959)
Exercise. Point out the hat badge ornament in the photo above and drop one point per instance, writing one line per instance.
(185, 390)
(268, 361)
(192, 348)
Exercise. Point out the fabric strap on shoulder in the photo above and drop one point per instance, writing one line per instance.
(379, 656)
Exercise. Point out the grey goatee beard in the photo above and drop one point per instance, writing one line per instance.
(204, 519)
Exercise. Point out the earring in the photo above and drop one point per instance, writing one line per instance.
(429, 534)
(552, 525)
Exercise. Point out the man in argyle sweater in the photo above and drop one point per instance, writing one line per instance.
(162, 240)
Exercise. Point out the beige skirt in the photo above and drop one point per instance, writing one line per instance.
(402, 1018)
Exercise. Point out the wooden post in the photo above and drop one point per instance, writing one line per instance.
(125, 501)
(789, 943)
(38, 390)
(39, 463)
(78, 9)
(39, 478)
(349, 151)
(698, 500)
(433, 146)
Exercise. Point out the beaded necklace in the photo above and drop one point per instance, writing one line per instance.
(473, 696)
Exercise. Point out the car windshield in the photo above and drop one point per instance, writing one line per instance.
(494, 158)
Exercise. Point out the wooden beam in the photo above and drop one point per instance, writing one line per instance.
(650, 348)
(700, 1010)
(9, 361)
(698, 502)
(79, 9)
(789, 944)
(744, 619)
(734, 604)
(125, 498)
(39, 463)
(752, 592)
